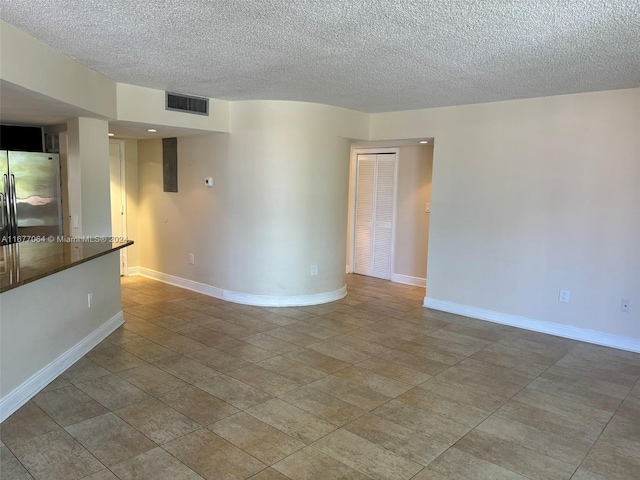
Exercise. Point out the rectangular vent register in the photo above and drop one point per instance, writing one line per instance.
(187, 103)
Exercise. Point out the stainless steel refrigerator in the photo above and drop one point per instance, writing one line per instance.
(29, 195)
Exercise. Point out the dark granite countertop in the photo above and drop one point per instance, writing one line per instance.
(25, 262)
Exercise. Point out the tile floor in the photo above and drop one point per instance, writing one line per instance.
(370, 387)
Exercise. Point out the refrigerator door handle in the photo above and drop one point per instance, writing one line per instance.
(14, 201)
(6, 206)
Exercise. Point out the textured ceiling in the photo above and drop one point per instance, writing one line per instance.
(369, 55)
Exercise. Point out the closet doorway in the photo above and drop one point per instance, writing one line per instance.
(375, 199)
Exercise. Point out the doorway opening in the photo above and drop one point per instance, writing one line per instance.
(389, 210)
(118, 197)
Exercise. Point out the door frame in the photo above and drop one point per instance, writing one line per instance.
(123, 199)
(353, 182)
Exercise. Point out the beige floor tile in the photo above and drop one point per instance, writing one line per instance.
(27, 422)
(367, 457)
(569, 376)
(264, 442)
(191, 304)
(84, 370)
(299, 373)
(435, 426)
(288, 334)
(394, 371)
(178, 343)
(306, 463)
(217, 359)
(157, 420)
(378, 383)
(552, 351)
(152, 379)
(484, 332)
(592, 369)
(385, 339)
(323, 406)
(233, 391)
(169, 308)
(464, 394)
(415, 362)
(462, 413)
(405, 442)
(269, 343)
(11, 468)
(144, 312)
(56, 384)
(291, 420)
(145, 328)
(114, 359)
(110, 439)
(206, 335)
(472, 367)
(264, 379)
(458, 465)
(359, 395)
(514, 457)
(171, 322)
(358, 344)
(563, 448)
(251, 323)
(549, 422)
(505, 356)
(198, 405)
(576, 393)
(213, 457)
(574, 411)
(614, 457)
(316, 360)
(341, 352)
(197, 318)
(584, 474)
(147, 350)
(55, 455)
(455, 342)
(290, 312)
(113, 392)
(245, 351)
(68, 405)
(187, 369)
(313, 330)
(153, 465)
(494, 385)
(121, 336)
(230, 329)
(269, 474)
(418, 347)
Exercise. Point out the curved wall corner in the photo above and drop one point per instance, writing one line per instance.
(288, 172)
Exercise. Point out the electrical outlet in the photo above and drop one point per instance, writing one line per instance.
(625, 305)
(192, 259)
(564, 296)
(89, 298)
(314, 269)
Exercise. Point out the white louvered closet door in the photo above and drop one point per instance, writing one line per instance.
(375, 204)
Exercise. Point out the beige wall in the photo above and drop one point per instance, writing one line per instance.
(36, 66)
(35, 333)
(531, 196)
(88, 176)
(415, 164)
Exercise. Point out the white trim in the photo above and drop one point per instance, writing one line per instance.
(24, 392)
(246, 298)
(408, 280)
(132, 271)
(560, 330)
(124, 260)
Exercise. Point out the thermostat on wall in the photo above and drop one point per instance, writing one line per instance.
(208, 181)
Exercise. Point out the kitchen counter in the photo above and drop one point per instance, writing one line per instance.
(25, 262)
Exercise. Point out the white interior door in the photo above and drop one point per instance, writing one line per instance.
(118, 198)
(375, 208)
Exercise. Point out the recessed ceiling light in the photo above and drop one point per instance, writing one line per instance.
(424, 141)
(111, 134)
(151, 130)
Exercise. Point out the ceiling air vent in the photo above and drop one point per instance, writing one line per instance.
(187, 103)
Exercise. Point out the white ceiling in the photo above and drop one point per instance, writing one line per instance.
(369, 55)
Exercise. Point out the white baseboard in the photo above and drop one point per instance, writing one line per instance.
(24, 392)
(560, 330)
(246, 298)
(132, 271)
(417, 281)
